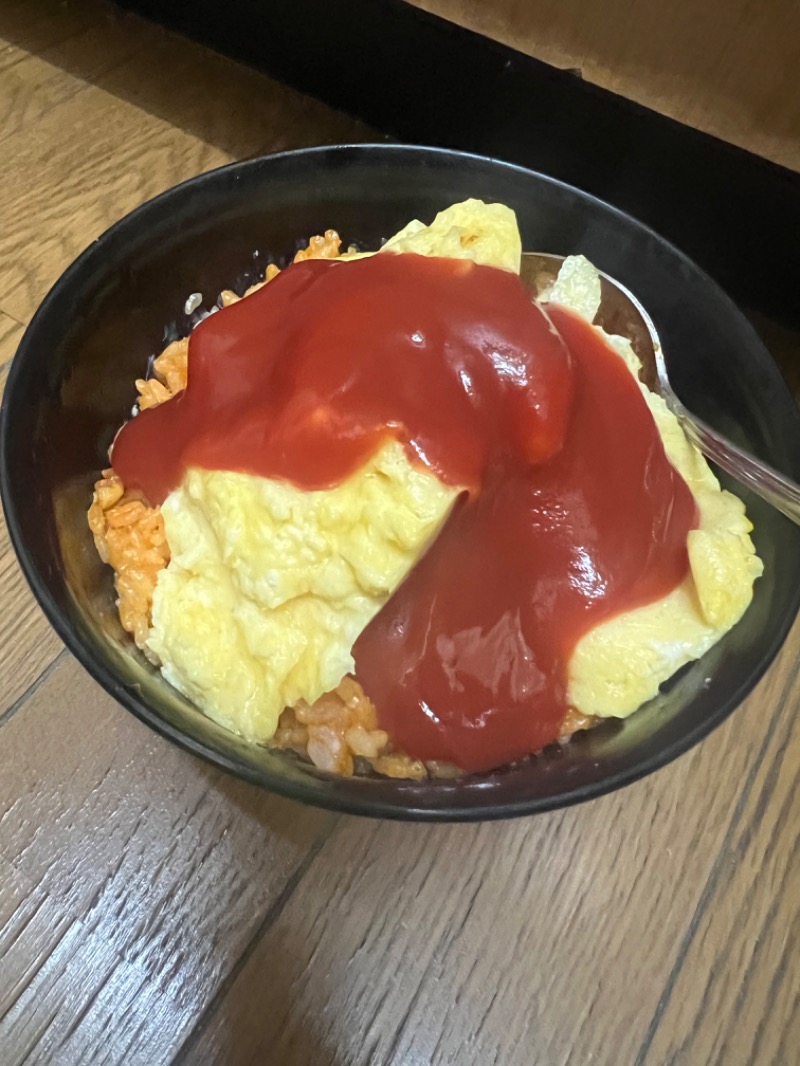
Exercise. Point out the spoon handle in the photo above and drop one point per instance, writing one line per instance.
(761, 478)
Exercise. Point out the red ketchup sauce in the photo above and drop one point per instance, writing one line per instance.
(571, 512)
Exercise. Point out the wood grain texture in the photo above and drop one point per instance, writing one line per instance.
(548, 941)
(143, 875)
(167, 111)
(86, 40)
(736, 996)
(10, 335)
(154, 910)
(724, 66)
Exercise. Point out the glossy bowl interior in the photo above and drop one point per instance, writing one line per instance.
(71, 386)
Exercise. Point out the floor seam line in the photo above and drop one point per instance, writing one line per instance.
(12, 318)
(34, 686)
(186, 1050)
(713, 878)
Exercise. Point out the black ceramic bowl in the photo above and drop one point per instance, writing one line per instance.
(71, 386)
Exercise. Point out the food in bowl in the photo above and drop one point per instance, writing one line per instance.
(388, 512)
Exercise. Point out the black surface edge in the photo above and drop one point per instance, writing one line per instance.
(420, 78)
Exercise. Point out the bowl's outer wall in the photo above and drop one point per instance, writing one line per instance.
(71, 386)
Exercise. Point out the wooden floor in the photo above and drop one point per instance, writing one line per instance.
(153, 910)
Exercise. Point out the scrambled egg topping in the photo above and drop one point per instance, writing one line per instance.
(268, 586)
(620, 664)
(485, 233)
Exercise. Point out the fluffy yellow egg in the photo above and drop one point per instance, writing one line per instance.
(268, 586)
(484, 233)
(620, 664)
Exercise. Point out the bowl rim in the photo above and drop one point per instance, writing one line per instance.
(369, 806)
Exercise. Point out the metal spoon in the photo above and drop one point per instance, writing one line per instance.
(622, 314)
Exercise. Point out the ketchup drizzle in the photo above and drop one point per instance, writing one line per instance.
(570, 512)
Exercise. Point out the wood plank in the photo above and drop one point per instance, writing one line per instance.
(29, 930)
(146, 874)
(154, 910)
(720, 67)
(36, 71)
(543, 941)
(10, 336)
(27, 643)
(16, 888)
(734, 996)
(144, 126)
(36, 27)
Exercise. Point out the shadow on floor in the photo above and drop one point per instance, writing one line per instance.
(222, 103)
